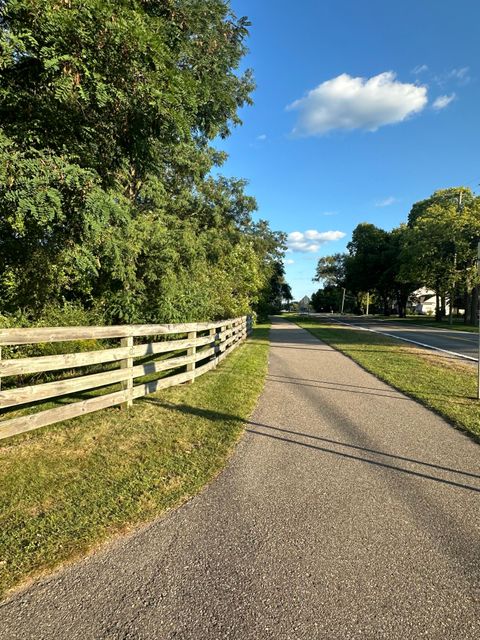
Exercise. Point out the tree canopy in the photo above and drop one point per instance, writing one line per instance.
(437, 249)
(109, 186)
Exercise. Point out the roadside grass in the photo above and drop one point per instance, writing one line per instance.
(441, 383)
(426, 321)
(66, 488)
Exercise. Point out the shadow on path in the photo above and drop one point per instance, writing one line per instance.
(225, 417)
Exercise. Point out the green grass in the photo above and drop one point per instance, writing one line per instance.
(68, 487)
(446, 385)
(428, 321)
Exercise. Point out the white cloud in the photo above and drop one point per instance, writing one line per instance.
(350, 103)
(310, 241)
(460, 76)
(330, 213)
(289, 261)
(262, 137)
(443, 101)
(420, 68)
(386, 202)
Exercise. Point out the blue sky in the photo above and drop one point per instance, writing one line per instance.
(362, 107)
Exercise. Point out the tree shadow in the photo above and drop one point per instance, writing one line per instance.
(321, 385)
(337, 386)
(216, 416)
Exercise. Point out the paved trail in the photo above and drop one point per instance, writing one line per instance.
(348, 511)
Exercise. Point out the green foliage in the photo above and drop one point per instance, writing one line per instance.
(108, 195)
(331, 270)
(441, 246)
(437, 249)
(327, 299)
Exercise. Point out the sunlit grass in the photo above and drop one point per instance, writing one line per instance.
(442, 383)
(428, 321)
(67, 487)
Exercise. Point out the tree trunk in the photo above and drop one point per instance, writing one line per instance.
(386, 306)
(438, 311)
(442, 307)
(474, 305)
(402, 299)
(467, 319)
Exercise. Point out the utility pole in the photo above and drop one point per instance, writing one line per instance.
(343, 298)
(454, 284)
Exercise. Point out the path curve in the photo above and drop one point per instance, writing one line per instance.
(348, 511)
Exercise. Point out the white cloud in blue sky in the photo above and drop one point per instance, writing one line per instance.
(460, 76)
(386, 202)
(350, 103)
(262, 137)
(443, 101)
(311, 240)
(420, 68)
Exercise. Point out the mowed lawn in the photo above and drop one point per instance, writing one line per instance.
(66, 488)
(440, 382)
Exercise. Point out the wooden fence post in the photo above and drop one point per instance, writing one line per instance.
(127, 364)
(191, 351)
(213, 334)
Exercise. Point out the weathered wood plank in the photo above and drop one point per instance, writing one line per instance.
(20, 366)
(65, 334)
(191, 352)
(58, 414)
(33, 393)
(230, 333)
(127, 365)
(161, 365)
(155, 385)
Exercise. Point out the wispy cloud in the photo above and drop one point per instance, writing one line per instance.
(350, 103)
(329, 213)
(460, 76)
(386, 202)
(420, 68)
(311, 240)
(443, 101)
(262, 137)
(289, 261)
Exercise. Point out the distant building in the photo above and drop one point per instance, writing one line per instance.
(424, 302)
(304, 305)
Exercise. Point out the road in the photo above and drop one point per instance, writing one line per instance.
(348, 511)
(459, 343)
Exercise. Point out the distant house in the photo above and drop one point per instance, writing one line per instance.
(424, 302)
(304, 305)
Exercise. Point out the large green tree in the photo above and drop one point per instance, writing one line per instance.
(441, 247)
(108, 110)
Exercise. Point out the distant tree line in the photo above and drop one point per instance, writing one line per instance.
(436, 248)
(110, 197)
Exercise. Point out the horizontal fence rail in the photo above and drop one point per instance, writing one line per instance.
(177, 352)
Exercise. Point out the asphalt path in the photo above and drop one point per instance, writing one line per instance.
(461, 344)
(347, 511)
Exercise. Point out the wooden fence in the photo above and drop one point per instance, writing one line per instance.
(194, 348)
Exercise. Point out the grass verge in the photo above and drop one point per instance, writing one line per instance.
(426, 321)
(442, 383)
(68, 487)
